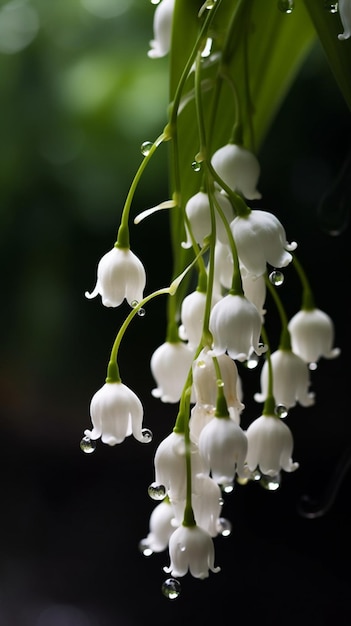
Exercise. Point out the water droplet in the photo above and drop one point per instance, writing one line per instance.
(144, 547)
(171, 588)
(134, 303)
(286, 6)
(276, 278)
(227, 487)
(157, 492)
(312, 366)
(87, 445)
(281, 410)
(146, 147)
(201, 364)
(331, 7)
(196, 166)
(147, 435)
(182, 548)
(271, 483)
(220, 382)
(221, 501)
(252, 361)
(224, 527)
(141, 312)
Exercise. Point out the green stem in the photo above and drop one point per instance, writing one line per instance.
(308, 303)
(285, 341)
(221, 402)
(123, 231)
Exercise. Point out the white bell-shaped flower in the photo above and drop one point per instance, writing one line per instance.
(162, 27)
(235, 324)
(170, 465)
(260, 239)
(205, 380)
(199, 213)
(291, 380)
(239, 169)
(161, 526)
(120, 274)
(255, 290)
(116, 412)
(223, 267)
(270, 446)
(344, 9)
(223, 447)
(170, 364)
(207, 504)
(192, 316)
(191, 549)
(312, 335)
(200, 415)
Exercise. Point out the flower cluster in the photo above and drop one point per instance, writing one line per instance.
(216, 331)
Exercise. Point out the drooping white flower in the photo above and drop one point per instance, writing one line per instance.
(162, 27)
(270, 446)
(205, 380)
(223, 447)
(170, 365)
(344, 9)
(291, 380)
(120, 274)
(255, 291)
(200, 415)
(161, 526)
(199, 213)
(260, 239)
(235, 324)
(191, 549)
(239, 169)
(223, 267)
(170, 465)
(116, 412)
(206, 501)
(192, 316)
(312, 335)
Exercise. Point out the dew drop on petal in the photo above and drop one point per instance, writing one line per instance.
(276, 278)
(281, 410)
(221, 501)
(220, 382)
(147, 435)
(196, 166)
(146, 147)
(201, 364)
(227, 487)
(134, 303)
(224, 527)
(171, 588)
(144, 548)
(141, 312)
(87, 445)
(252, 361)
(286, 6)
(271, 483)
(312, 367)
(157, 492)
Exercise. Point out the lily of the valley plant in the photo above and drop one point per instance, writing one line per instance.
(229, 251)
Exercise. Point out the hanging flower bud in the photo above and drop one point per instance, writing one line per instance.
(207, 504)
(260, 239)
(223, 447)
(163, 17)
(199, 213)
(116, 412)
(270, 446)
(239, 169)
(312, 335)
(291, 380)
(161, 526)
(206, 383)
(170, 466)
(191, 548)
(170, 365)
(235, 325)
(120, 274)
(192, 316)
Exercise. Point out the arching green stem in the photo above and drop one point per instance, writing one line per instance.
(285, 341)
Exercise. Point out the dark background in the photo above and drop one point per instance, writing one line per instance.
(70, 523)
